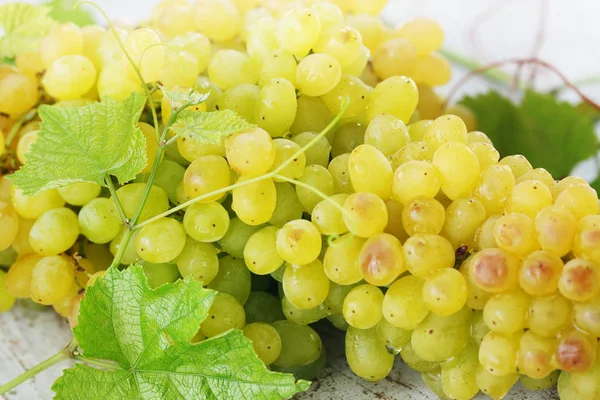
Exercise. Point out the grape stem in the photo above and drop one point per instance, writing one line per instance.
(66, 353)
(113, 194)
(14, 130)
(269, 175)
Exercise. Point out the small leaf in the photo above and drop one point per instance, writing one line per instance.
(85, 144)
(65, 11)
(24, 26)
(191, 97)
(147, 334)
(551, 134)
(209, 127)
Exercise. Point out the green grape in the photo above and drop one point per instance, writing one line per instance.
(536, 355)
(433, 381)
(196, 44)
(459, 169)
(328, 218)
(24, 145)
(318, 153)
(51, 279)
(338, 322)
(580, 280)
(330, 15)
(130, 197)
(371, 29)
(160, 241)
(415, 178)
(498, 352)
(387, 133)
(284, 150)
(463, 217)
(180, 68)
(242, 99)
(191, 150)
(31, 207)
(494, 270)
(237, 236)
(412, 359)
(276, 108)
(495, 185)
(352, 88)
(518, 164)
(381, 259)
(224, 314)
(366, 214)
(251, 153)
(445, 293)
(478, 327)
(265, 341)
(99, 220)
(168, 175)
(529, 197)
(580, 200)
(424, 33)
(263, 307)
(459, 374)
(425, 254)
(395, 338)
(338, 168)
(445, 129)
(540, 272)
(288, 207)
(341, 259)
(507, 312)
(312, 115)
(344, 43)
(347, 138)
(493, 385)
(175, 19)
(278, 64)
(63, 39)
(397, 95)
(149, 60)
(395, 57)
(565, 183)
(475, 136)
(366, 163)
(260, 254)
(114, 82)
(7, 300)
(18, 277)
(300, 344)
(367, 354)
(298, 31)
(439, 338)
(586, 238)
(362, 306)
(8, 257)
(303, 316)
(586, 316)
(486, 154)
(403, 304)
(484, 237)
(418, 130)
(320, 179)
(423, 215)
(80, 194)
(414, 151)
(394, 225)
(549, 315)
(219, 20)
(541, 383)
(160, 274)
(233, 278)
(10, 225)
(334, 303)
(205, 175)
(54, 231)
(433, 70)
(18, 93)
(254, 203)
(228, 68)
(580, 386)
(206, 222)
(318, 74)
(308, 372)
(30, 63)
(305, 286)
(299, 242)
(261, 282)
(199, 260)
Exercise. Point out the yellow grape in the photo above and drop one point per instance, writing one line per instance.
(397, 95)
(352, 88)
(486, 154)
(418, 130)
(318, 178)
(278, 64)
(298, 31)
(565, 183)
(580, 200)
(242, 99)
(260, 253)
(494, 270)
(265, 341)
(445, 292)
(160, 241)
(305, 286)
(576, 351)
(205, 175)
(586, 316)
(518, 164)
(219, 20)
(476, 136)
(495, 185)
(549, 315)
(319, 151)
(284, 150)
(484, 237)
(359, 65)
(30, 63)
(115, 83)
(536, 355)
(254, 203)
(538, 174)
(394, 225)
(180, 68)
(371, 29)
(198, 260)
(540, 272)
(81, 193)
(415, 178)
(299, 242)
(347, 138)
(506, 312)
(459, 374)
(330, 15)
(459, 169)
(515, 232)
(206, 222)
(370, 171)
(276, 108)
(174, 18)
(51, 279)
(341, 259)
(529, 197)
(261, 38)
(54, 232)
(414, 151)
(31, 207)
(445, 129)
(395, 57)
(403, 304)
(362, 306)
(18, 93)
(196, 44)
(62, 40)
(228, 68)
(587, 237)
(431, 104)
(580, 280)
(250, 153)
(130, 196)
(414, 361)
(432, 69)
(143, 46)
(478, 327)
(18, 277)
(495, 386)
(463, 217)
(344, 43)
(318, 74)
(381, 260)
(423, 215)
(498, 353)
(312, 115)
(424, 33)
(439, 338)
(328, 218)
(387, 133)
(367, 354)
(338, 167)
(7, 301)
(224, 314)
(365, 214)
(69, 77)
(10, 225)
(426, 254)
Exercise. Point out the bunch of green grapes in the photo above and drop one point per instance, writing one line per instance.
(400, 226)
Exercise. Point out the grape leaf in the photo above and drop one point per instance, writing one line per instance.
(146, 334)
(192, 97)
(551, 134)
(86, 143)
(24, 26)
(209, 127)
(65, 11)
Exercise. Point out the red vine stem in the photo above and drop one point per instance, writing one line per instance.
(519, 63)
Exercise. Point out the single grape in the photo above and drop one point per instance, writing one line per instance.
(367, 354)
(319, 179)
(275, 111)
(99, 220)
(445, 293)
(362, 306)
(494, 270)
(205, 175)
(232, 278)
(549, 315)
(319, 151)
(576, 351)
(338, 167)
(341, 259)
(498, 352)
(423, 215)
(536, 355)
(438, 338)
(328, 218)
(300, 344)
(298, 31)
(303, 316)
(54, 231)
(51, 279)
(366, 214)
(299, 242)
(237, 236)
(199, 260)
(207, 222)
(18, 277)
(540, 272)
(459, 374)
(317, 74)
(507, 312)
(254, 203)
(381, 259)
(580, 280)
(370, 171)
(395, 57)
(403, 304)
(397, 95)
(260, 253)
(305, 286)
(160, 241)
(224, 314)
(160, 274)
(263, 307)
(459, 169)
(287, 207)
(265, 341)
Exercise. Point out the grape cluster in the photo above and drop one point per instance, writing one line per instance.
(401, 225)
